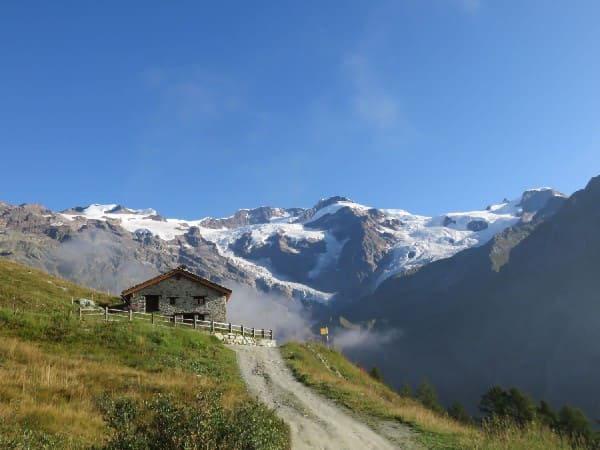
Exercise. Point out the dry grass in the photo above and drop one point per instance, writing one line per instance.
(503, 435)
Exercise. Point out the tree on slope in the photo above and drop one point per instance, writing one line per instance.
(426, 394)
(574, 424)
(512, 404)
(546, 415)
(458, 412)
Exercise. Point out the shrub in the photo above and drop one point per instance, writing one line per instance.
(256, 427)
(26, 438)
(161, 424)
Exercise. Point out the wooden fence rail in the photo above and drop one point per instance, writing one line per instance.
(119, 315)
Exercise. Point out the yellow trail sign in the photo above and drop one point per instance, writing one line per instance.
(324, 331)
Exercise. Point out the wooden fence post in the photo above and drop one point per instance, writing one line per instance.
(80, 313)
(253, 335)
(242, 327)
(263, 333)
(152, 318)
(106, 313)
(195, 321)
(130, 314)
(230, 329)
(271, 333)
(212, 326)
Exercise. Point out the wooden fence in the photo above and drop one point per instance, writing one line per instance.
(118, 315)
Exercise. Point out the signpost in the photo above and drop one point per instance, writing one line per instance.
(325, 336)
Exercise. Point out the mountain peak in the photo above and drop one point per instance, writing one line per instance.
(533, 200)
(324, 202)
(593, 184)
(96, 210)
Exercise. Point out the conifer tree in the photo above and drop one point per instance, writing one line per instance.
(521, 408)
(427, 395)
(574, 423)
(494, 402)
(547, 415)
(458, 412)
(376, 374)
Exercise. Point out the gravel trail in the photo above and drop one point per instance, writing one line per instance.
(315, 422)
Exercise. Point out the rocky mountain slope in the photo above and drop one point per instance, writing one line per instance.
(338, 248)
(521, 310)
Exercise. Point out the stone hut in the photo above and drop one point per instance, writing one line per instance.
(180, 292)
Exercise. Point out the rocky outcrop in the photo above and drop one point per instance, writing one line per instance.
(323, 203)
(364, 248)
(448, 221)
(290, 258)
(244, 217)
(477, 225)
(536, 199)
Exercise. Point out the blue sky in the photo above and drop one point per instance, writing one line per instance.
(198, 109)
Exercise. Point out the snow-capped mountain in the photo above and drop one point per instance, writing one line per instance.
(336, 248)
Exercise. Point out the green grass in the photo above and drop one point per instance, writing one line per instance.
(332, 375)
(23, 288)
(54, 369)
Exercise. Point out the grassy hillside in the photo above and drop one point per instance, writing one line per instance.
(71, 384)
(26, 289)
(63, 382)
(332, 375)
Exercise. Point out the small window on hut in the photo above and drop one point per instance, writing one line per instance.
(172, 300)
(200, 299)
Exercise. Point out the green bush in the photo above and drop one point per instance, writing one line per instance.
(16, 436)
(26, 439)
(162, 424)
(256, 427)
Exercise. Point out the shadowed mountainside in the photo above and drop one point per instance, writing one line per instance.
(523, 309)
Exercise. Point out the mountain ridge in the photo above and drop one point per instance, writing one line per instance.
(336, 249)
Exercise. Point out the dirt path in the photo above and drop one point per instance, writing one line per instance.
(315, 422)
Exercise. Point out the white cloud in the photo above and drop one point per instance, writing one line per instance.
(288, 319)
(192, 96)
(371, 100)
(469, 6)
(364, 340)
